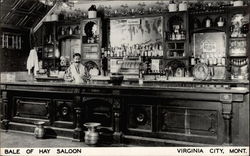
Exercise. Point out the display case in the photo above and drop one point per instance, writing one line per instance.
(238, 38)
(176, 35)
(176, 53)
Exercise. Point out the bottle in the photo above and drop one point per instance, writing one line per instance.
(57, 53)
(70, 31)
(92, 11)
(220, 23)
(76, 30)
(63, 31)
(208, 22)
(192, 60)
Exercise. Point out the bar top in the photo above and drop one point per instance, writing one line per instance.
(145, 86)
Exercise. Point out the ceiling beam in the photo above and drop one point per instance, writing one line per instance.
(43, 19)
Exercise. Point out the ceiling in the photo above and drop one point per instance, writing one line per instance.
(22, 13)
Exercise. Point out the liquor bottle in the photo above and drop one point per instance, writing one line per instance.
(192, 60)
(70, 31)
(208, 22)
(63, 31)
(76, 30)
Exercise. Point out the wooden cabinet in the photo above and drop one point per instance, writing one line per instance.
(69, 41)
(178, 119)
(91, 43)
(208, 41)
(176, 27)
(177, 43)
(129, 114)
(51, 53)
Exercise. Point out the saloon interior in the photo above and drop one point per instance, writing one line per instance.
(162, 73)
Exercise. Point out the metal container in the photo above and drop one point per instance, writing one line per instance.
(39, 130)
(91, 136)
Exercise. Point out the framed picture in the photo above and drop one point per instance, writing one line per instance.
(212, 43)
(136, 31)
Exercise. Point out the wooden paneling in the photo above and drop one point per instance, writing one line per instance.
(130, 112)
(203, 122)
(64, 110)
(172, 120)
(32, 107)
(98, 110)
(140, 117)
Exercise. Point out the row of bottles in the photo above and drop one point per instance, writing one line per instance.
(209, 59)
(237, 48)
(178, 33)
(239, 62)
(208, 22)
(152, 50)
(175, 53)
(69, 30)
(239, 68)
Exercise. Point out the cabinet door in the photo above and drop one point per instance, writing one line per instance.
(32, 107)
(140, 118)
(91, 43)
(98, 110)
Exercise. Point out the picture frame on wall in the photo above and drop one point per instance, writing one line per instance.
(207, 44)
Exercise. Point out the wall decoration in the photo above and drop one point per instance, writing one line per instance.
(206, 44)
(136, 31)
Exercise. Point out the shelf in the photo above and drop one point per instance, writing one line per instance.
(202, 12)
(156, 57)
(176, 41)
(238, 56)
(174, 58)
(176, 12)
(209, 29)
(176, 49)
(77, 36)
(237, 38)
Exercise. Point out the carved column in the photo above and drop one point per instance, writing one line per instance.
(117, 120)
(226, 100)
(78, 131)
(5, 121)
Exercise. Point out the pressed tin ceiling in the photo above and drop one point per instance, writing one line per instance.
(22, 13)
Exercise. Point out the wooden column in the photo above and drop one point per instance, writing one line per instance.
(78, 131)
(117, 118)
(5, 121)
(226, 100)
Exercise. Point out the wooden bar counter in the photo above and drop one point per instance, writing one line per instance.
(152, 115)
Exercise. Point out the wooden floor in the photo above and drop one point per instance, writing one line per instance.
(14, 139)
